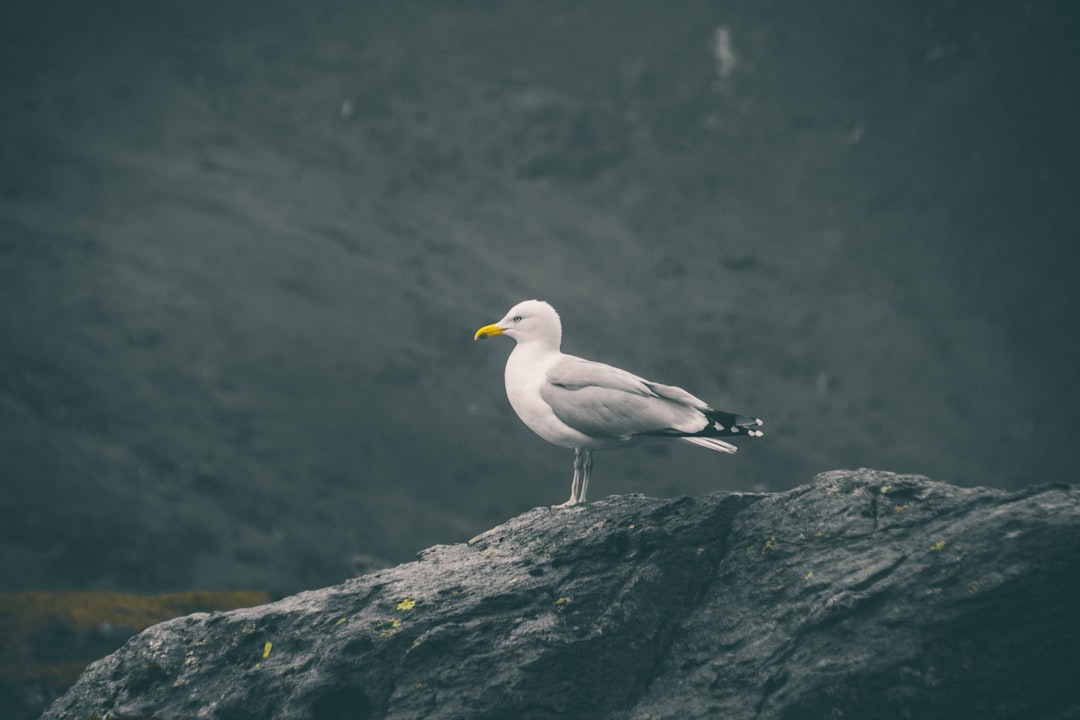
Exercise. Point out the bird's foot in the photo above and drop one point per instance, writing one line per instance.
(568, 504)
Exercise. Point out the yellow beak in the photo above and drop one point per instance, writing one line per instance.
(487, 331)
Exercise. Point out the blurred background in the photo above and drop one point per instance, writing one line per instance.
(244, 247)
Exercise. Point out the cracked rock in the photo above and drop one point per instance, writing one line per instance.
(863, 594)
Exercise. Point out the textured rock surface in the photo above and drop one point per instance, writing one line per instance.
(48, 638)
(863, 594)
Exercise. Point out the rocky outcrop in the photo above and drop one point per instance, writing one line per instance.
(861, 595)
(48, 638)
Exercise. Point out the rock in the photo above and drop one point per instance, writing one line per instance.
(861, 595)
(47, 638)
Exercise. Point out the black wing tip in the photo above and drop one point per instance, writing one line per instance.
(726, 424)
(721, 424)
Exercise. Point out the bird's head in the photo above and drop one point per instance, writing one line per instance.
(528, 321)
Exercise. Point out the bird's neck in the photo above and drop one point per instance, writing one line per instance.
(537, 347)
(526, 369)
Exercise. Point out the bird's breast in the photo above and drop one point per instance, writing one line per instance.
(525, 375)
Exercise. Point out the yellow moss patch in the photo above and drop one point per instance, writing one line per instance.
(388, 626)
(267, 647)
(406, 604)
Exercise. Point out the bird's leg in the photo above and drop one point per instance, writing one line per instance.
(576, 483)
(586, 470)
(577, 479)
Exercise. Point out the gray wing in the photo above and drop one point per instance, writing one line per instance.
(605, 402)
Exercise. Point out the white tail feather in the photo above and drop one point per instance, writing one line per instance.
(711, 443)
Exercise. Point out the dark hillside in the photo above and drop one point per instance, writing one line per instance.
(244, 246)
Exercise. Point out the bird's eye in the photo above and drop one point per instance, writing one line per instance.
(516, 318)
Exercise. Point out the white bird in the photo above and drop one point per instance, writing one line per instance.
(584, 405)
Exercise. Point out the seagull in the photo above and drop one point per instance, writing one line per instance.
(577, 403)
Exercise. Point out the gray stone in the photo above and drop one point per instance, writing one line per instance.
(863, 594)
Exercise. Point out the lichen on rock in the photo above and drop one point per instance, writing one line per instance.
(822, 601)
